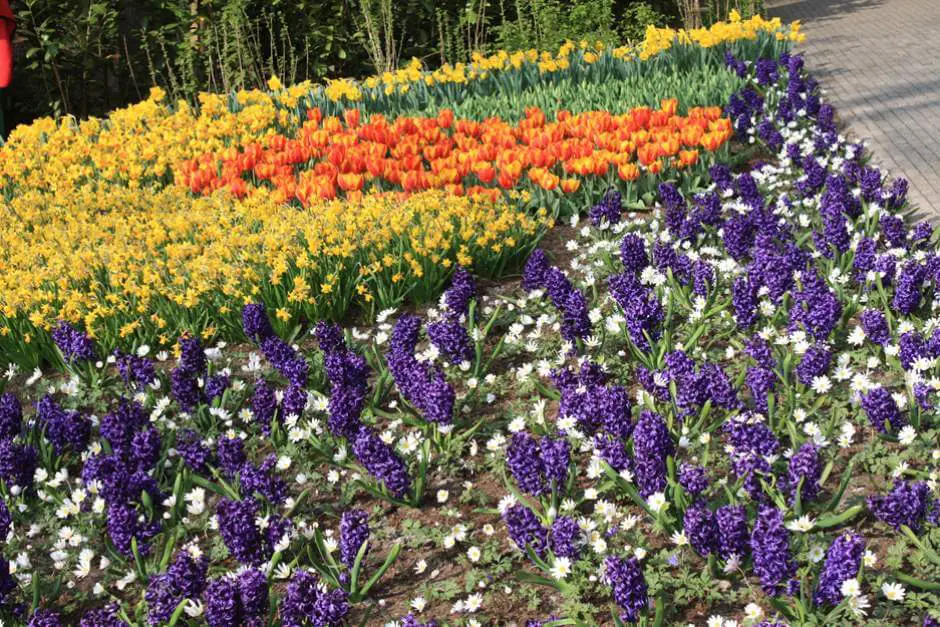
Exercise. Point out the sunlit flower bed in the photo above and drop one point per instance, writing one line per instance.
(168, 218)
(723, 413)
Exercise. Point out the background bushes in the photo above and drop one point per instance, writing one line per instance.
(85, 57)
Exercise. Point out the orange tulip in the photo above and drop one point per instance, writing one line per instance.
(350, 182)
(484, 172)
(688, 157)
(570, 186)
(628, 172)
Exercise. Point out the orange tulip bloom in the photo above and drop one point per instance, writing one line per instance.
(688, 157)
(629, 172)
(570, 186)
(484, 172)
(350, 182)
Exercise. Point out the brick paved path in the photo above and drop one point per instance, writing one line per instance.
(879, 62)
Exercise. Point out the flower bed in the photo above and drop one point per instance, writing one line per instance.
(722, 413)
(99, 230)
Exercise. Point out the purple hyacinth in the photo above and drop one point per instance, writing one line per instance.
(216, 386)
(770, 546)
(63, 428)
(628, 587)
(255, 322)
(348, 373)
(907, 293)
(911, 347)
(184, 387)
(452, 340)
(814, 363)
(231, 455)
(288, 362)
(294, 400)
(744, 302)
(221, 603)
(239, 531)
(135, 370)
(145, 448)
(185, 579)
(881, 410)
(409, 620)
(570, 302)
(633, 253)
(693, 479)
(124, 525)
(263, 480)
(761, 382)
(6, 520)
(525, 529)
(641, 307)
(306, 603)
(613, 451)
(565, 537)
(106, 616)
(193, 450)
(72, 343)
(450, 335)
(353, 533)
(556, 455)
(652, 444)
(533, 275)
(11, 416)
(875, 326)
(815, 307)
(420, 383)
(525, 464)
(894, 230)
(252, 596)
(701, 528)
(44, 618)
(381, 461)
(263, 405)
(843, 559)
(457, 297)
(607, 209)
(733, 537)
(120, 424)
(897, 194)
(804, 466)
(906, 504)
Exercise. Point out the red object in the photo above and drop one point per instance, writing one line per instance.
(7, 26)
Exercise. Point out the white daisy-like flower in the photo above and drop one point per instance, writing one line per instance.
(816, 553)
(869, 559)
(474, 554)
(893, 591)
(851, 588)
(907, 435)
(859, 605)
(802, 524)
(473, 602)
(753, 611)
(821, 384)
(657, 502)
(561, 568)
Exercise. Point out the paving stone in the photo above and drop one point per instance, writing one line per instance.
(879, 62)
